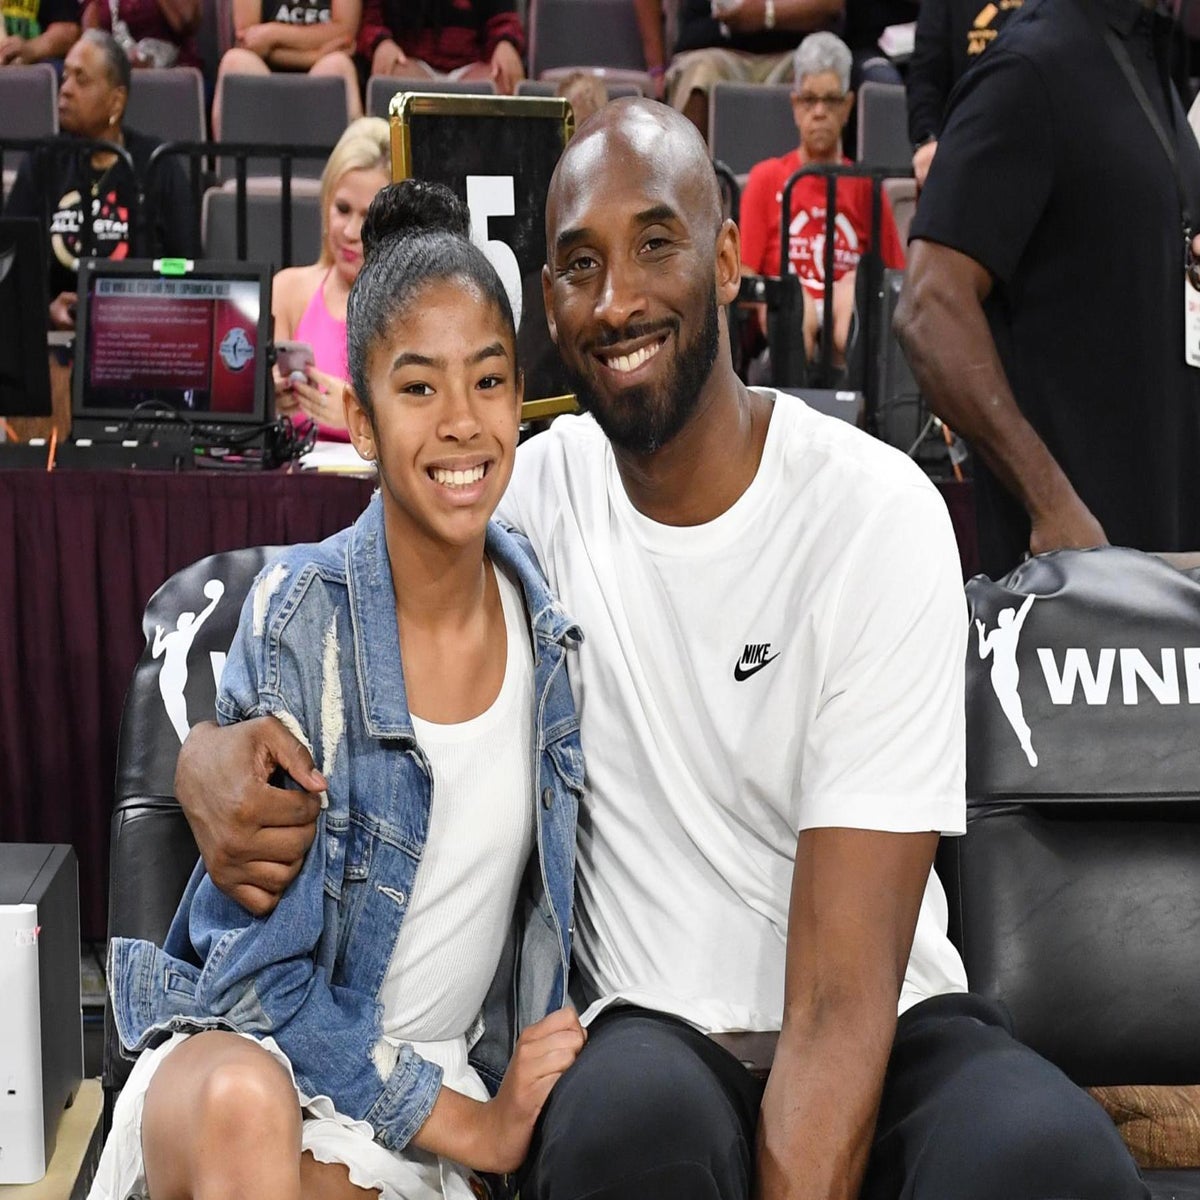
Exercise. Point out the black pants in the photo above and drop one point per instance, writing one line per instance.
(653, 1110)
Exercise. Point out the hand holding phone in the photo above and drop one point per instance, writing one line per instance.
(293, 358)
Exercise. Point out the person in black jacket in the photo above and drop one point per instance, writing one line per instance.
(951, 35)
(89, 200)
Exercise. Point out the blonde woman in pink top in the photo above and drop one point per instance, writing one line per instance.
(309, 303)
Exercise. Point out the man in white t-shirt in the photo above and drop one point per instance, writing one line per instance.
(770, 693)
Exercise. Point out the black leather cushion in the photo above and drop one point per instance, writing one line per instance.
(151, 850)
(1084, 921)
(1074, 895)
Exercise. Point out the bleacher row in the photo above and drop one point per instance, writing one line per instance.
(747, 124)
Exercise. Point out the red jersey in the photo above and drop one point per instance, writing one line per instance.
(762, 199)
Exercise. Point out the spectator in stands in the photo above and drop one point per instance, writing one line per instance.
(153, 33)
(951, 35)
(316, 36)
(89, 201)
(739, 41)
(33, 31)
(1072, 388)
(585, 92)
(323, 1052)
(821, 103)
(865, 22)
(310, 302)
(444, 39)
(772, 674)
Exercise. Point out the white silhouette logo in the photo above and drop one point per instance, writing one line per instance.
(236, 349)
(1001, 644)
(174, 648)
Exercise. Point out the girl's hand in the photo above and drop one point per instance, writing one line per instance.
(544, 1051)
(320, 396)
(287, 403)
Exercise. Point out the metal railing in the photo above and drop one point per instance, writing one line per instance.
(870, 265)
(286, 154)
(201, 173)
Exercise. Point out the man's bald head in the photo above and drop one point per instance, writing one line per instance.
(642, 143)
(639, 262)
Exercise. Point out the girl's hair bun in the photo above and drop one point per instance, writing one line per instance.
(412, 207)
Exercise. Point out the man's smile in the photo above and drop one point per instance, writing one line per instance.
(624, 361)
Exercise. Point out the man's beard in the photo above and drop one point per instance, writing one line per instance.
(646, 418)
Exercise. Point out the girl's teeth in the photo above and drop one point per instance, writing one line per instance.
(457, 478)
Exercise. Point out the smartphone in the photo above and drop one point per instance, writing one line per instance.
(293, 357)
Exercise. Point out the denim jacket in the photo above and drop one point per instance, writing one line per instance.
(318, 646)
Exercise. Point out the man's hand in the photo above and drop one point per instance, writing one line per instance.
(507, 70)
(388, 58)
(922, 160)
(62, 311)
(252, 836)
(1069, 527)
(945, 335)
(10, 49)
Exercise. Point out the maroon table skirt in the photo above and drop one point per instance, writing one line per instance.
(80, 554)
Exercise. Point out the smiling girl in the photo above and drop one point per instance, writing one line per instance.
(353, 1042)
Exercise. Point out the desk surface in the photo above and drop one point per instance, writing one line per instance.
(80, 554)
(75, 1153)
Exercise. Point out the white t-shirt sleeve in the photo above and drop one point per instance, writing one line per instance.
(886, 749)
(519, 504)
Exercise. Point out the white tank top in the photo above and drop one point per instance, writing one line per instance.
(481, 830)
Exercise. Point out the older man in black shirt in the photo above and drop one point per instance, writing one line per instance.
(1044, 309)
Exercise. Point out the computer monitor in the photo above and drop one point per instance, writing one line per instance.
(166, 338)
(24, 310)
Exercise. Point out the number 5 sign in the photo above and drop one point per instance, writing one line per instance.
(497, 153)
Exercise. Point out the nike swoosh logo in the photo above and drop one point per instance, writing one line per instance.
(740, 674)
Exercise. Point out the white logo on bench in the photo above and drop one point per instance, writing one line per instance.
(174, 648)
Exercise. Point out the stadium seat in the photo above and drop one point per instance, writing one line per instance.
(583, 33)
(151, 851)
(28, 108)
(215, 35)
(547, 87)
(748, 122)
(168, 104)
(381, 89)
(883, 126)
(1073, 895)
(264, 228)
(902, 195)
(634, 82)
(278, 110)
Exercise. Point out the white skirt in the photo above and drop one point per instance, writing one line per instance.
(327, 1134)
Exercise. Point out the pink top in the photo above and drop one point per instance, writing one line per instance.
(327, 336)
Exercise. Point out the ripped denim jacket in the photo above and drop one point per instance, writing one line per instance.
(318, 640)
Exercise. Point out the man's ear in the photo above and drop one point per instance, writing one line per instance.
(548, 301)
(849, 102)
(358, 422)
(729, 262)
